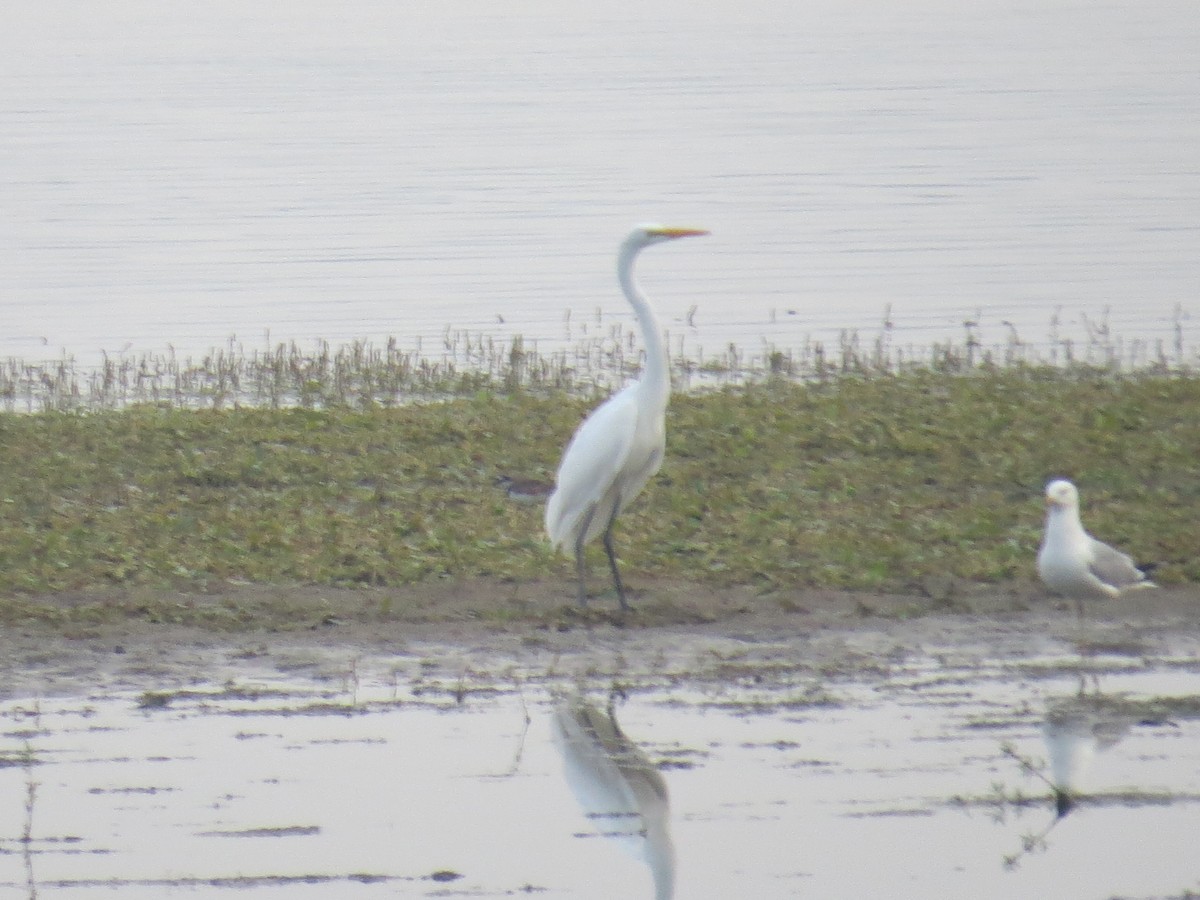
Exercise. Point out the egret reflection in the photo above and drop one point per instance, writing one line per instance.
(619, 789)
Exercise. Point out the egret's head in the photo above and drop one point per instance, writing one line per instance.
(645, 235)
(1061, 494)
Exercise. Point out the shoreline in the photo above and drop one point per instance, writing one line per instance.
(467, 634)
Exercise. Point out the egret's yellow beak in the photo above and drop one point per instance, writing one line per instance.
(680, 232)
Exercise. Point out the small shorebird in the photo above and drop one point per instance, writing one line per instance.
(525, 490)
(1074, 564)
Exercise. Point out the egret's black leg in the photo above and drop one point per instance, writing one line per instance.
(612, 561)
(581, 572)
(580, 562)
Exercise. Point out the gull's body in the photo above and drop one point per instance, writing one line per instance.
(1073, 563)
(621, 444)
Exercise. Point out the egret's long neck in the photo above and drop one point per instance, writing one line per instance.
(656, 377)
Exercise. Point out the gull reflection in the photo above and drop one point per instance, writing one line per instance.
(618, 787)
(1077, 727)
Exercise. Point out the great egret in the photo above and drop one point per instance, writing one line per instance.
(620, 445)
(1073, 563)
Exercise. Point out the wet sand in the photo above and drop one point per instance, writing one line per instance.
(487, 630)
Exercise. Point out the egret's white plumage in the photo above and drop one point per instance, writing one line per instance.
(1073, 563)
(620, 445)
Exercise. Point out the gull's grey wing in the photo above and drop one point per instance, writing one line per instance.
(1113, 567)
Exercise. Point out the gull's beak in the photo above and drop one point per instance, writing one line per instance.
(680, 232)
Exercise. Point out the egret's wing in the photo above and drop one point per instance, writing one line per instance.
(1112, 566)
(591, 464)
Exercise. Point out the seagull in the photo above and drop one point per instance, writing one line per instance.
(1073, 563)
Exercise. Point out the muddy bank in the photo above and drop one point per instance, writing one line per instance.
(486, 630)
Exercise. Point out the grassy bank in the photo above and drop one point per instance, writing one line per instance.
(872, 483)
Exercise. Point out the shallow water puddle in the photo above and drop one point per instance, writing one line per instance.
(911, 783)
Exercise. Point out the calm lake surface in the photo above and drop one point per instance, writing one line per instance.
(177, 175)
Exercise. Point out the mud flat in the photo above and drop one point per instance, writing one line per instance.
(985, 743)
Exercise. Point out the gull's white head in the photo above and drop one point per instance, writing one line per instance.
(1061, 494)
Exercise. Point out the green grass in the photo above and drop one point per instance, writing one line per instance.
(855, 482)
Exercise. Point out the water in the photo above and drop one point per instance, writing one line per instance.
(387, 782)
(175, 176)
